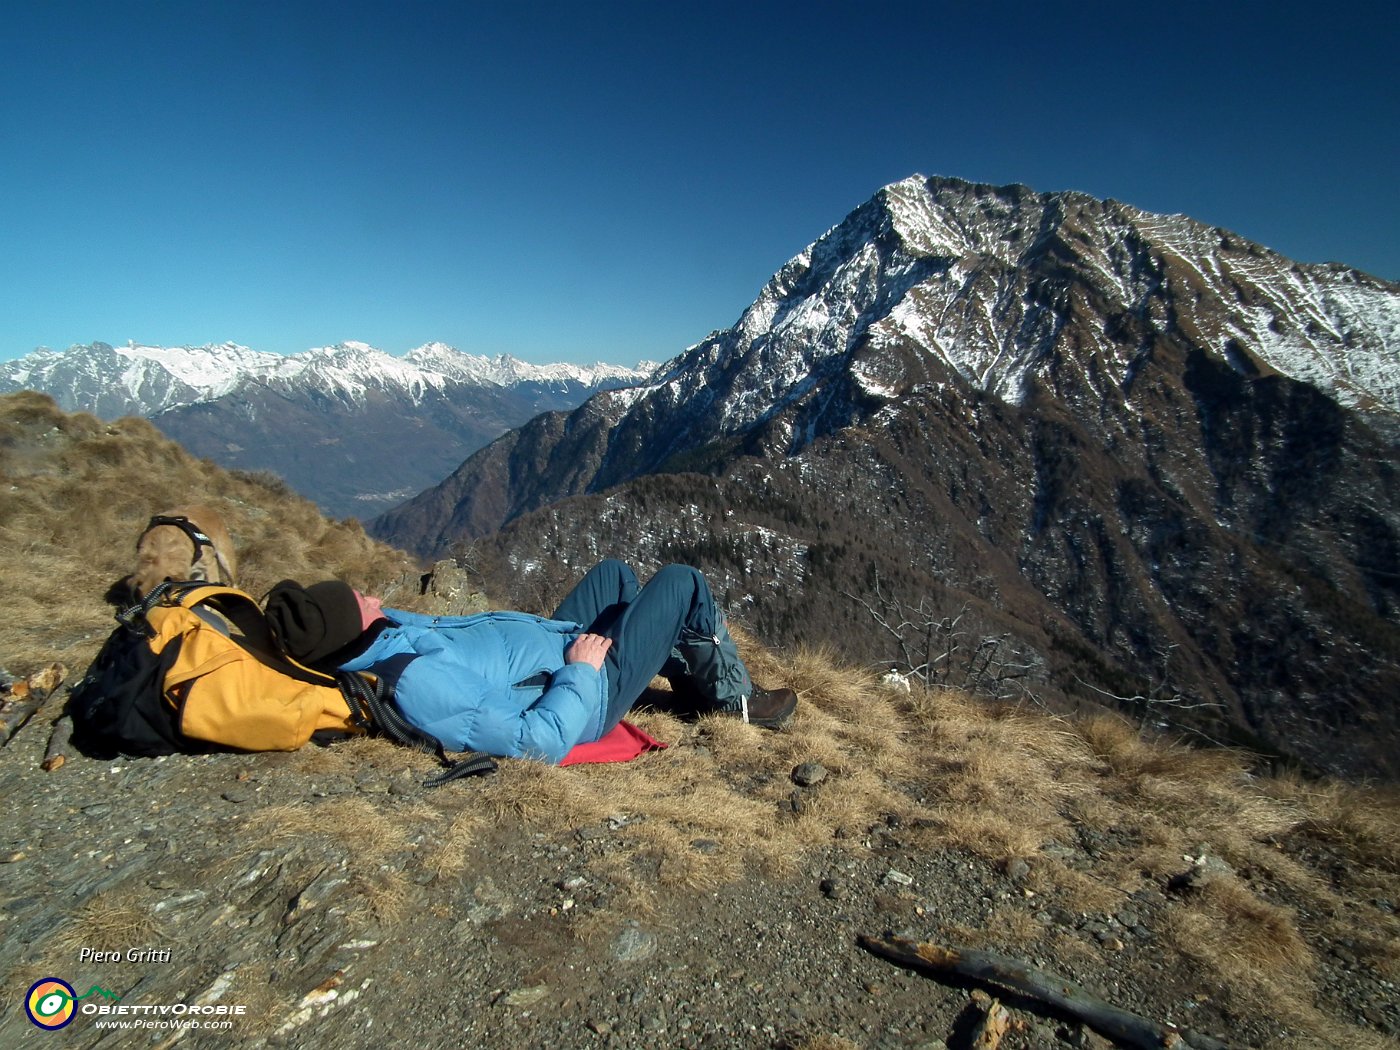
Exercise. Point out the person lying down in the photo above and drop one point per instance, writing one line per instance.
(515, 685)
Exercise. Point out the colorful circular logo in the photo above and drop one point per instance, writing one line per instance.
(50, 1003)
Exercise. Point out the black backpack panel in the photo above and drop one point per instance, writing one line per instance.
(119, 708)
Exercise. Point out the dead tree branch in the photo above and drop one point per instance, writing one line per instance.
(57, 752)
(1161, 695)
(1064, 996)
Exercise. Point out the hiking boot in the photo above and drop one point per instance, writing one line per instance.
(768, 708)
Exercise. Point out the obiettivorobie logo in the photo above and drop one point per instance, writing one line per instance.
(51, 1003)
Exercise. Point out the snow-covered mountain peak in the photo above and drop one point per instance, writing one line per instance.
(994, 286)
(1125, 429)
(924, 221)
(350, 369)
(209, 367)
(438, 356)
(135, 378)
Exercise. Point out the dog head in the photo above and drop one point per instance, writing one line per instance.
(176, 546)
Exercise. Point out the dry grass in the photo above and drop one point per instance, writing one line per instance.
(1229, 929)
(1006, 784)
(382, 896)
(253, 988)
(449, 855)
(364, 836)
(827, 1042)
(699, 816)
(1363, 822)
(120, 919)
(1001, 784)
(351, 757)
(368, 833)
(1005, 926)
(79, 493)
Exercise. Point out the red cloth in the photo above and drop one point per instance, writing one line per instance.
(622, 743)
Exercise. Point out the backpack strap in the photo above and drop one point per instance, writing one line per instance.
(475, 764)
(242, 611)
(372, 708)
(134, 617)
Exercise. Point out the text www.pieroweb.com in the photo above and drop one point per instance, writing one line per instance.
(165, 1023)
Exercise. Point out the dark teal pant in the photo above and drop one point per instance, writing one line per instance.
(675, 611)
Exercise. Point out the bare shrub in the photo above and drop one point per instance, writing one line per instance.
(949, 648)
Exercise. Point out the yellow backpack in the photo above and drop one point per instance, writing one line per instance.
(195, 665)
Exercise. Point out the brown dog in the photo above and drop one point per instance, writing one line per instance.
(186, 543)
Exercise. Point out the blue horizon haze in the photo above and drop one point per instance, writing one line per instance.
(611, 182)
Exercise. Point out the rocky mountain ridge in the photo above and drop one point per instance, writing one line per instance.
(1157, 459)
(981, 281)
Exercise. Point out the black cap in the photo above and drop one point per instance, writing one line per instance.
(311, 623)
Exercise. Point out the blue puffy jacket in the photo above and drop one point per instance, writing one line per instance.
(495, 682)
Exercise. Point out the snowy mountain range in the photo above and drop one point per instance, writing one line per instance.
(349, 426)
(1151, 459)
(145, 380)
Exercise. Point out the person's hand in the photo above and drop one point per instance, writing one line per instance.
(588, 649)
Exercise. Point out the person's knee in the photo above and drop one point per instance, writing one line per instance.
(681, 577)
(611, 567)
(689, 590)
(614, 574)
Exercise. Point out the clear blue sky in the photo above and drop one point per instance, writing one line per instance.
(612, 181)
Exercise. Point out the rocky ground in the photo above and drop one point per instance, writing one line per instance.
(341, 904)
